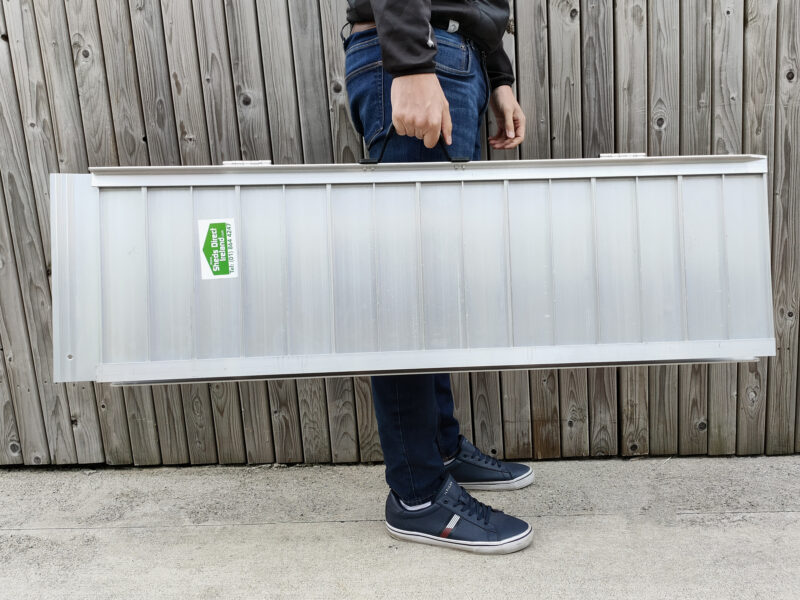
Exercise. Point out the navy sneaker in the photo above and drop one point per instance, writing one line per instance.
(474, 470)
(457, 520)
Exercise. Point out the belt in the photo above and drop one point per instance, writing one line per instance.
(362, 26)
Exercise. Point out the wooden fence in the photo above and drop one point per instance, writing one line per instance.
(104, 82)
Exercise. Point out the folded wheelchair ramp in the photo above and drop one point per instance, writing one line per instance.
(183, 273)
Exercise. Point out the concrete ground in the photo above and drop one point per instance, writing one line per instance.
(648, 528)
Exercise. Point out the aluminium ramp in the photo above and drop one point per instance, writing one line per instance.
(182, 273)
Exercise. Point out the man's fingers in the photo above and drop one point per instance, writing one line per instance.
(508, 117)
(432, 135)
(447, 126)
(520, 127)
(399, 126)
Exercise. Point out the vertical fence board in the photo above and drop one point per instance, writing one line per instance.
(491, 120)
(369, 444)
(172, 440)
(782, 388)
(574, 412)
(695, 71)
(314, 420)
(217, 80)
(248, 82)
(114, 425)
(342, 419)
(486, 412)
(634, 434)
(142, 425)
(546, 423)
(532, 81)
(663, 76)
(565, 78)
(227, 413)
(516, 409)
(286, 421)
(602, 412)
(256, 422)
(123, 83)
(597, 77)
(758, 135)
(199, 420)
(10, 449)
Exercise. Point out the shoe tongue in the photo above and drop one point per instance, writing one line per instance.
(450, 490)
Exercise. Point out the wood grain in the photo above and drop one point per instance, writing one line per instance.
(565, 78)
(633, 411)
(782, 389)
(544, 413)
(198, 416)
(662, 384)
(491, 120)
(10, 448)
(217, 80)
(597, 89)
(248, 81)
(663, 81)
(486, 413)
(533, 84)
(314, 420)
(602, 412)
(285, 421)
(142, 425)
(228, 429)
(123, 83)
(516, 410)
(168, 407)
(758, 137)
(574, 412)
(113, 425)
(342, 419)
(462, 401)
(369, 444)
(256, 422)
(693, 409)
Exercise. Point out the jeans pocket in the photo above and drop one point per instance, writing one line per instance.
(453, 58)
(365, 94)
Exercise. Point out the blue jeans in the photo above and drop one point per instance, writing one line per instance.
(415, 412)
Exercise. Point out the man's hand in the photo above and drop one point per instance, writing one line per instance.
(510, 119)
(419, 108)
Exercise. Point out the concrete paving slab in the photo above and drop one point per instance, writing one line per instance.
(645, 528)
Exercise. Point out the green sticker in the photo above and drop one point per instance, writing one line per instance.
(218, 239)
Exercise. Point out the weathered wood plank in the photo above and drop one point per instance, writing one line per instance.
(227, 413)
(114, 425)
(758, 137)
(574, 412)
(462, 402)
(342, 419)
(184, 77)
(279, 80)
(533, 85)
(663, 410)
(123, 83)
(695, 70)
(726, 134)
(347, 147)
(565, 79)
(663, 80)
(286, 421)
(597, 77)
(782, 389)
(602, 412)
(516, 410)
(85, 423)
(10, 448)
(369, 444)
(168, 407)
(215, 74)
(491, 120)
(486, 412)
(142, 425)
(312, 96)
(544, 413)
(663, 76)
(197, 414)
(21, 205)
(693, 409)
(634, 426)
(314, 420)
(34, 106)
(248, 82)
(90, 74)
(154, 84)
(256, 421)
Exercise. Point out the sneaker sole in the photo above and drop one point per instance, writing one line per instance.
(499, 486)
(518, 542)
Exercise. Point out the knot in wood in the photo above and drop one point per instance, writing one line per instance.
(702, 425)
(573, 13)
(85, 53)
(13, 448)
(790, 75)
(336, 86)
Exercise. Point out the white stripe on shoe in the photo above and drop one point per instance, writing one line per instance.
(497, 486)
(512, 544)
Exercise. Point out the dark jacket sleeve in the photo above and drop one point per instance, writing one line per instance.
(499, 68)
(407, 42)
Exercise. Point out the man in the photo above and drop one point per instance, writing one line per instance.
(430, 68)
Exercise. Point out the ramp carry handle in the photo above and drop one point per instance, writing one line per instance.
(390, 134)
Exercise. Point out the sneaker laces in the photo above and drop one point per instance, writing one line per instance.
(472, 506)
(485, 458)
